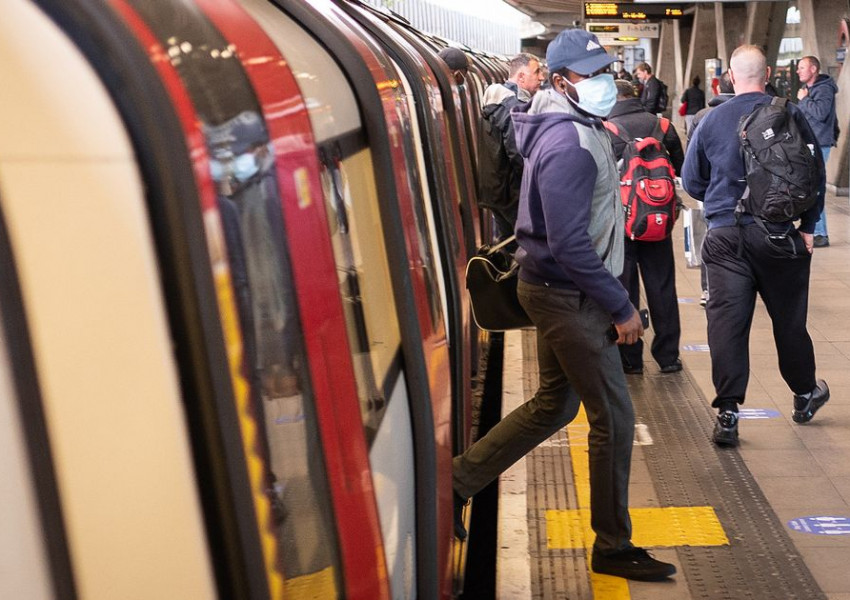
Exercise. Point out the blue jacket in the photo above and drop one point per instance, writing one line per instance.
(819, 108)
(570, 223)
(714, 170)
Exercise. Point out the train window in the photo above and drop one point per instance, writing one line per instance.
(354, 217)
(364, 280)
(243, 166)
(423, 210)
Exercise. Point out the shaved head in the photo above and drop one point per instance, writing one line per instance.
(748, 65)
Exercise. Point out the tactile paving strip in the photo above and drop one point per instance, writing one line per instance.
(760, 563)
(558, 573)
(688, 470)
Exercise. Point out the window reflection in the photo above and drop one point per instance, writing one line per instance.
(242, 165)
(364, 280)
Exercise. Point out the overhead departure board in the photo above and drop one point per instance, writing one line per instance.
(631, 11)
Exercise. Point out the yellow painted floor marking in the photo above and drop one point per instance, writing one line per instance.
(313, 586)
(659, 527)
(670, 526)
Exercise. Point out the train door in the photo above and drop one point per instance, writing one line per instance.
(314, 516)
(368, 255)
(421, 84)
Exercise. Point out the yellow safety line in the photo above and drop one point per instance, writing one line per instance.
(670, 526)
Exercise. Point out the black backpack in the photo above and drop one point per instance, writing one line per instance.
(663, 97)
(782, 170)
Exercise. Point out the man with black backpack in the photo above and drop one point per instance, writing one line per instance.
(752, 245)
(644, 168)
(653, 97)
(499, 162)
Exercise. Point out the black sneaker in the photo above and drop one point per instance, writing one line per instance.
(634, 563)
(821, 241)
(630, 370)
(460, 527)
(673, 367)
(726, 429)
(805, 408)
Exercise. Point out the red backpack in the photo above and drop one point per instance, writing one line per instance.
(647, 184)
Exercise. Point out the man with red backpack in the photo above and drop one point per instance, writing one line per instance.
(649, 221)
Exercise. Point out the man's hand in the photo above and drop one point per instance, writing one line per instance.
(630, 330)
(802, 92)
(809, 240)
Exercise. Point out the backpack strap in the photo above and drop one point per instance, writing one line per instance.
(619, 131)
(502, 244)
(779, 101)
(660, 129)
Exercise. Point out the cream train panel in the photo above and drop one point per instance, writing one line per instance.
(23, 559)
(73, 202)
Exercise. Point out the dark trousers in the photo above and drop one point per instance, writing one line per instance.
(655, 262)
(578, 363)
(741, 262)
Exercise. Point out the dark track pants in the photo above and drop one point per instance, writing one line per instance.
(658, 271)
(742, 261)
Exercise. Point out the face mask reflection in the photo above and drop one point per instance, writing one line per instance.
(245, 166)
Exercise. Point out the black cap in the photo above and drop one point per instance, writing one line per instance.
(455, 58)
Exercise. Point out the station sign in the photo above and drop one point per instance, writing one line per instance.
(633, 31)
(631, 11)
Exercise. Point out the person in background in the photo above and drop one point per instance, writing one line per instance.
(499, 162)
(695, 100)
(457, 62)
(650, 95)
(654, 259)
(816, 99)
(725, 91)
(745, 257)
(570, 234)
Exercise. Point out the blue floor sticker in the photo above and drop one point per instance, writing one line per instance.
(688, 300)
(821, 525)
(758, 413)
(696, 348)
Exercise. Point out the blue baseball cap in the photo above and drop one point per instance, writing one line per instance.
(238, 134)
(579, 51)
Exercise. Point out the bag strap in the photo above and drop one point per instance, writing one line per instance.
(501, 245)
(660, 129)
(779, 101)
(618, 130)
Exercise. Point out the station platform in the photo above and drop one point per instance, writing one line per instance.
(767, 520)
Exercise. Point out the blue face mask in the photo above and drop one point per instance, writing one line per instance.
(216, 169)
(596, 95)
(245, 166)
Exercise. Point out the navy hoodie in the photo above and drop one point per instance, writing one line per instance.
(714, 170)
(570, 223)
(819, 108)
